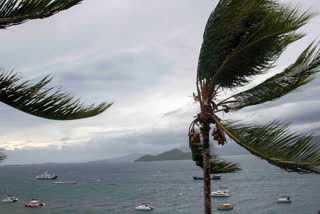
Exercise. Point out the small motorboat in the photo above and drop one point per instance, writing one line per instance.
(213, 177)
(46, 176)
(10, 199)
(220, 193)
(197, 178)
(216, 177)
(225, 207)
(145, 207)
(284, 199)
(35, 203)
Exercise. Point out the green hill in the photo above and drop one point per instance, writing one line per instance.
(173, 154)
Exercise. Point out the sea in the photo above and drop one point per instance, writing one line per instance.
(107, 188)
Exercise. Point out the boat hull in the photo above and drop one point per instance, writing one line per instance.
(216, 195)
(284, 202)
(9, 201)
(144, 207)
(222, 208)
(64, 182)
(51, 178)
(225, 207)
(201, 178)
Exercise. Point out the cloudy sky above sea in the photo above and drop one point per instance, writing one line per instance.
(142, 55)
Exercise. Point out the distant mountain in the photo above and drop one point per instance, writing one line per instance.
(126, 158)
(174, 154)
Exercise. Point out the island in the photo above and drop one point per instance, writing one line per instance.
(174, 154)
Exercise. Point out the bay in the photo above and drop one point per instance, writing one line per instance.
(105, 188)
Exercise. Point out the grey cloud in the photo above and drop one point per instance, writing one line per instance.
(122, 131)
(115, 76)
(174, 112)
(102, 148)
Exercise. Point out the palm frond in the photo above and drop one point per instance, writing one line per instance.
(244, 38)
(298, 74)
(2, 156)
(42, 101)
(275, 143)
(216, 164)
(14, 12)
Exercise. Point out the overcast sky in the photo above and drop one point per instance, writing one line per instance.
(140, 54)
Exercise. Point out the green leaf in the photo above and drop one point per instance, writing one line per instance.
(14, 12)
(298, 74)
(216, 164)
(42, 101)
(244, 38)
(275, 143)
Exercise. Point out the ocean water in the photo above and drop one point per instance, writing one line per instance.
(119, 187)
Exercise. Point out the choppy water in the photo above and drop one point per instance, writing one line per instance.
(123, 186)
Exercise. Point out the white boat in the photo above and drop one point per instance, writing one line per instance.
(220, 193)
(284, 199)
(145, 207)
(46, 176)
(10, 199)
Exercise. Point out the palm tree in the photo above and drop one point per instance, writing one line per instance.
(39, 99)
(242, 39)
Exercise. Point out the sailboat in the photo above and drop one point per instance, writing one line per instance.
(144, 206)
(10, 198)
(34, 202)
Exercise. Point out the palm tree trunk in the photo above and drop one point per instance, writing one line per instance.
(206, 168)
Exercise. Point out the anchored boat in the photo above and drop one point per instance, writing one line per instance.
(226, 206)
(10, 199)
(145, 207)
(213, 177)
(35, 203)
(221, 192)
(46, 176)
(284, 199)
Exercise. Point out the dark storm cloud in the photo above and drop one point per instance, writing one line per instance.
(116, 75)
(306, 112)
(300, 108)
